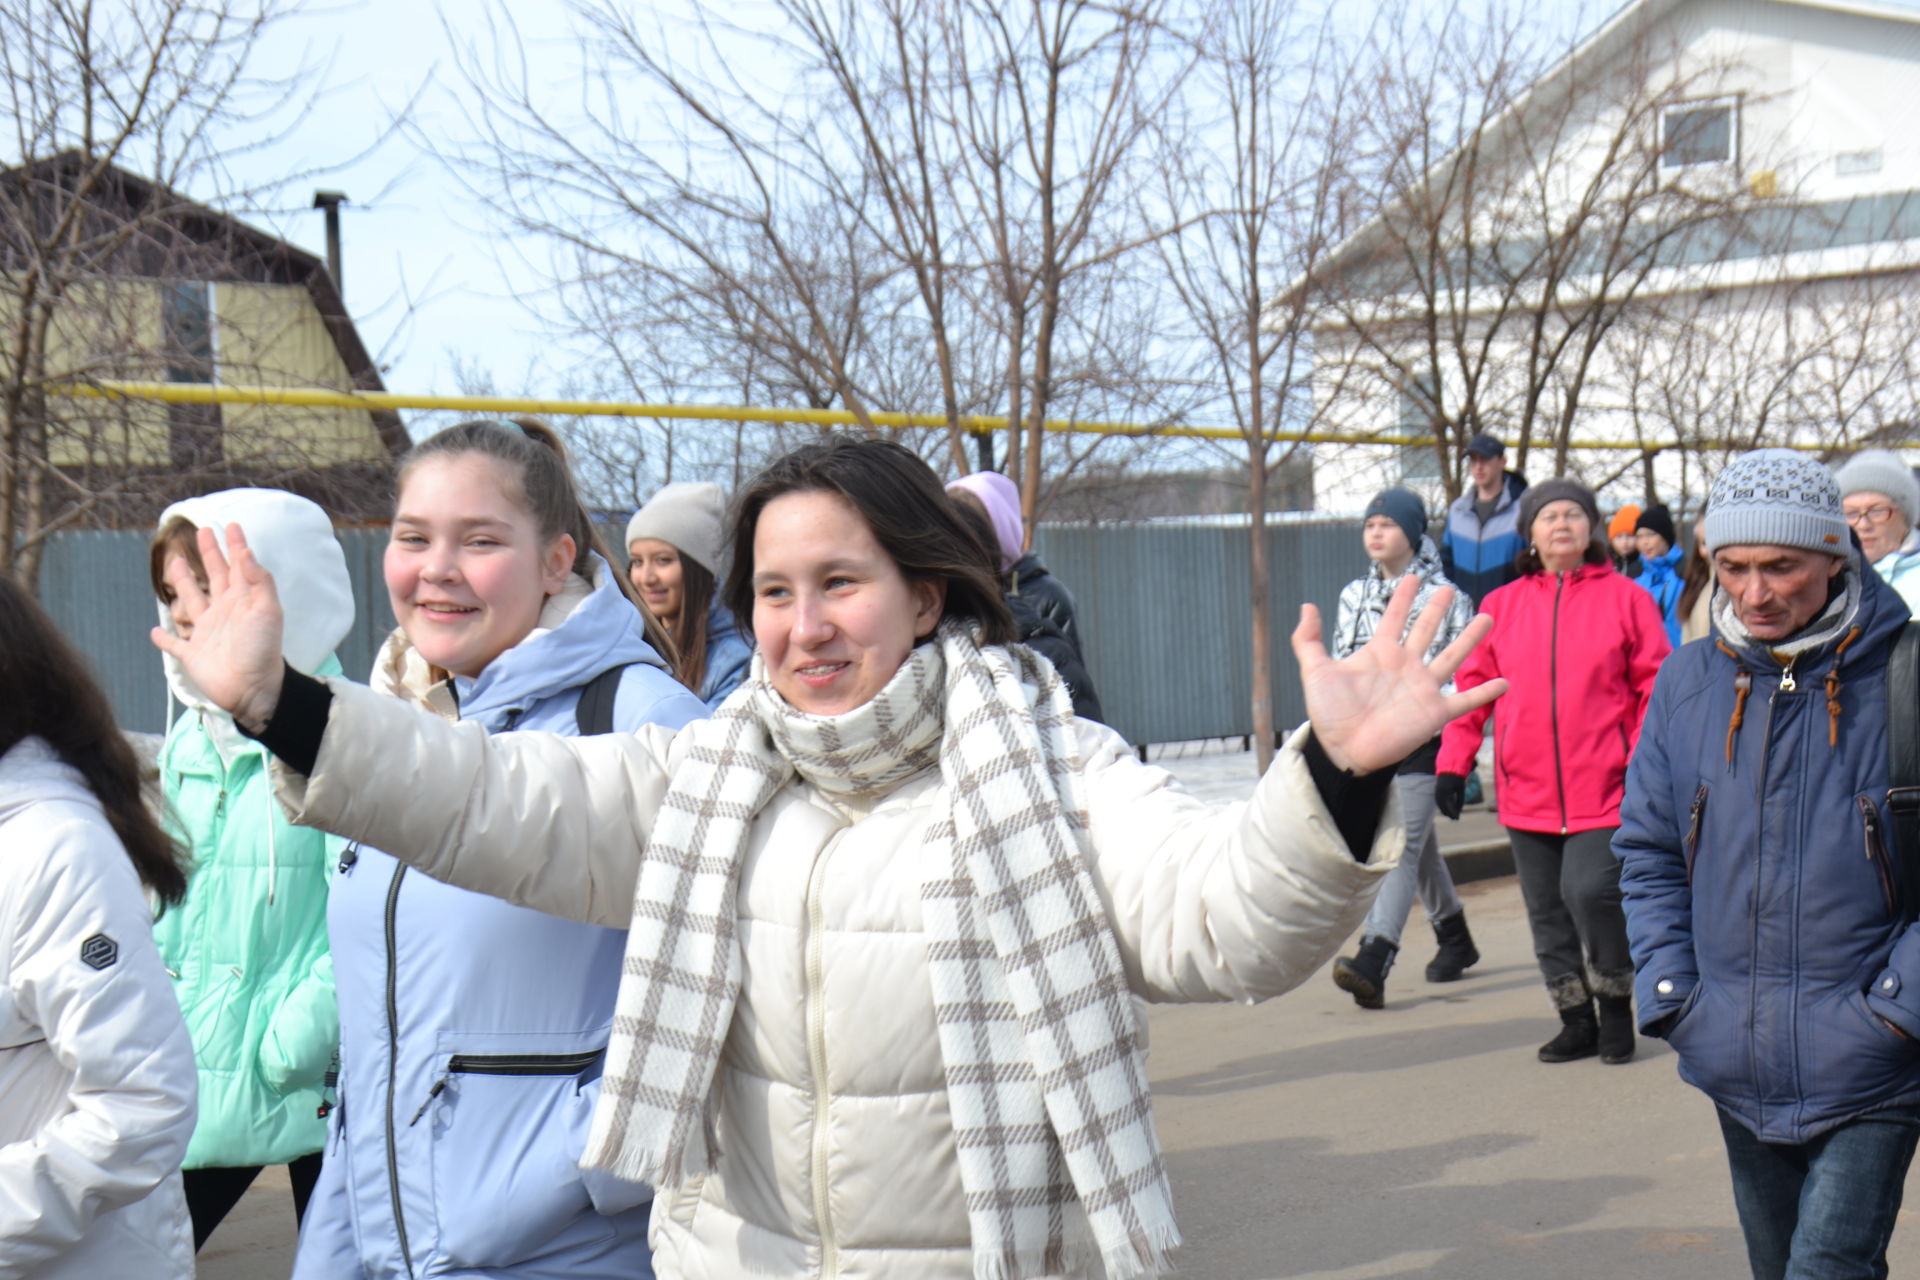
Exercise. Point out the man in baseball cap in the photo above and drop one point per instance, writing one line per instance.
(1480, 542)
(1777, 959)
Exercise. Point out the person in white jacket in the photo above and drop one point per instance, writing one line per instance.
(888, 909)
(97, 1079)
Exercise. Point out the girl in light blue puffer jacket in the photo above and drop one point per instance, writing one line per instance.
(472, 1032)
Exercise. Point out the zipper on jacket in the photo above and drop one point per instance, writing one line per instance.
(1877, 852)
(1691, 848)
(1553, 696)
(1753, 899)
(220, 804)
(393, 1065)
(817, 1055)
(329, 1084)
(507, 1064)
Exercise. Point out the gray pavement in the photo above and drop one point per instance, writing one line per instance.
(1312, 1140)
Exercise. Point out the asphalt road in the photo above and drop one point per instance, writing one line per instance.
(1313, 1140)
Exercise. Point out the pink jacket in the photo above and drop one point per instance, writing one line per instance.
(1580, 651)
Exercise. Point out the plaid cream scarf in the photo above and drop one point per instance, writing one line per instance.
(1046, 1076)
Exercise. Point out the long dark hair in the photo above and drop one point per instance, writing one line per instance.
(48, 692)
(690, 628)
(534, 452)
(901, 500)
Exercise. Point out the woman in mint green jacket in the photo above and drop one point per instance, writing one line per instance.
(247, 950)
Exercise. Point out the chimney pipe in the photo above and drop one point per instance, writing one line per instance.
(331, 202)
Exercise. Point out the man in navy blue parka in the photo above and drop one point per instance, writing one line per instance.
(1761, 881)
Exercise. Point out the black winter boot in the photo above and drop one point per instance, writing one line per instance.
(1365, 976)
(1579, 1036)
(1616, 1029)
(1457, 953)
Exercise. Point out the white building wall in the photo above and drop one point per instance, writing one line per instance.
(1718, 346)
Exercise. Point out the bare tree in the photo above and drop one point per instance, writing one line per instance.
(1260, 177)
(111, 110)
(811, 202)
(1517, 201)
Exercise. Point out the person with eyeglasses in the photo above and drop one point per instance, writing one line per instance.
(1881, 500)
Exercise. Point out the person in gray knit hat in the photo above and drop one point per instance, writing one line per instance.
(1778, 961)
(1881, 500)
(676, 543)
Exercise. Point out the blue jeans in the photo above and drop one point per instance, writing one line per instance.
(1823, 1209)
(1421, 867)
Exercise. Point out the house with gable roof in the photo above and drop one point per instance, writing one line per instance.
(142, 284)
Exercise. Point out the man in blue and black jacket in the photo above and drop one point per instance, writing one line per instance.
(1770, 951)
(1480, 542)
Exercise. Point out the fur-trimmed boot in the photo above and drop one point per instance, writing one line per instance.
(1365, 976)
(1579, 1036)
(1616, 1029)
(1457, 953)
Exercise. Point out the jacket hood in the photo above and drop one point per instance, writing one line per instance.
(1670, 561)
(31, 773)
(294, 539)
(584, 629)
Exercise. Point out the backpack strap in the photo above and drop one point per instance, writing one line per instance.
(594, 712)
(1903, 760)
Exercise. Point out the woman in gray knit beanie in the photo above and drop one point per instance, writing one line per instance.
(1881, 500)
(675, 543)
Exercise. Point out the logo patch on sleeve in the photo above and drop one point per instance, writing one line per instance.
(99, 951)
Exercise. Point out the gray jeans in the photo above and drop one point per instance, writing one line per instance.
(1421, 867)
(1571, 885)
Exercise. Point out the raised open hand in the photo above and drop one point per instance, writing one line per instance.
(233, 653)
(1376, 707)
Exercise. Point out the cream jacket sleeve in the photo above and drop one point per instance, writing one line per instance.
(592, 797)
(1224, 902)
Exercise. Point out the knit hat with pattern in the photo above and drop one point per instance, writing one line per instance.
(1776, 498)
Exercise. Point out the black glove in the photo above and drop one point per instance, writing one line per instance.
(1449, 794)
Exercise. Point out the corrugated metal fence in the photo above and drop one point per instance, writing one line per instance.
(1163, 612)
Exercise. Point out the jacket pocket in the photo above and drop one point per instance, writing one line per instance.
(1695, 816)
(506, 1179)
(1876, 846)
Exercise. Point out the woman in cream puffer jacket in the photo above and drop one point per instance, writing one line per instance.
(831, 1072)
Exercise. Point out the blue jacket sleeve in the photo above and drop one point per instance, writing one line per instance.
(1656, 894)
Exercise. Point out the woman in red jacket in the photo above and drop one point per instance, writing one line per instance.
(1580, 645)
